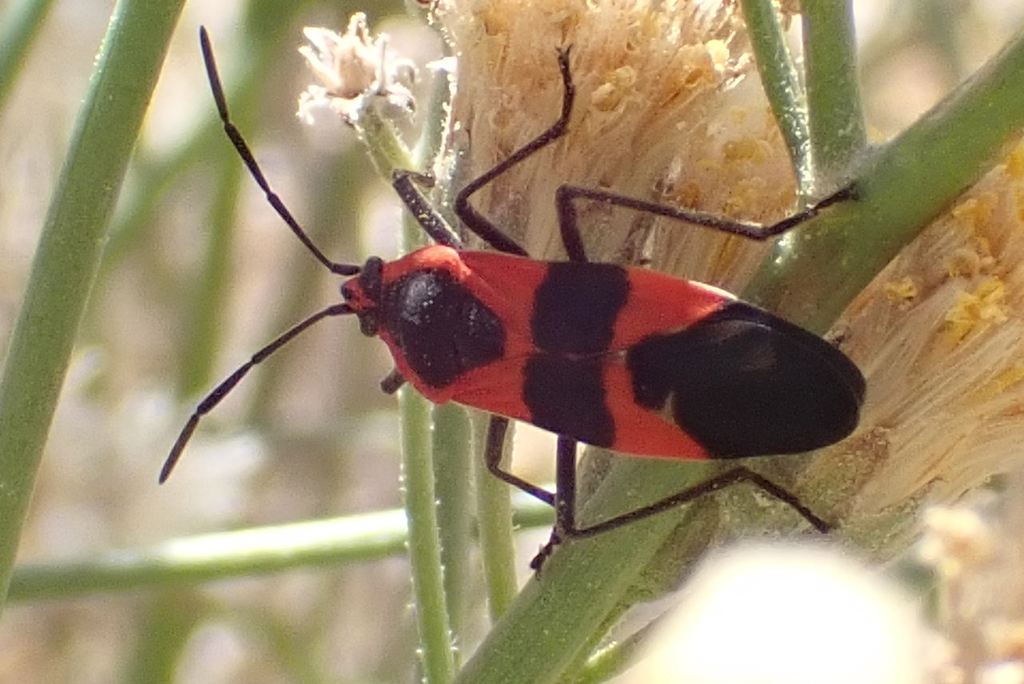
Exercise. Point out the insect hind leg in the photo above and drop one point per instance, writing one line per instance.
(566, 527)
(724, 480)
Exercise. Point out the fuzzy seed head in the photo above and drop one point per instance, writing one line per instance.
(939, 335)
(663, 113)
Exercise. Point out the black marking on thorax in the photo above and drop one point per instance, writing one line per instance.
(442, 329)
(572, 323)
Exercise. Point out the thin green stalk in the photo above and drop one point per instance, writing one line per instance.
(557, 613)
(242, 553)
(494, 517)
(833, 92)
(294, 651)
(203, 329)
(17, 34)
(203, 558)
(136, 215)
(382, 142)
(941, 27)
(168, 621)
(453, 469)
(781, 81)
(436, 652)
(811, 277)
(208, 296)
(332, 224)
(614, 658)
(69, 250)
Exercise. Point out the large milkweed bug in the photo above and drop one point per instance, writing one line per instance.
(616, 357)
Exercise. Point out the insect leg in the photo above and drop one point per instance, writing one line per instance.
(565, 501)
(566, 195)
(566, 528)
(407, 184)
(494, 450)
(730, 477)
(392, 382)
(476, 221)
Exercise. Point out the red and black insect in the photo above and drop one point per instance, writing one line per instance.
(616, 357)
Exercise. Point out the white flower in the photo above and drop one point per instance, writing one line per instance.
(355, 72)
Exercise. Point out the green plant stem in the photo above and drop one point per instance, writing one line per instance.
(453, 483)
(812, 276)
(168, 620)
(436, 651)
(555, 617)
(382, 142)
(17, 34)
(208, 296)
(241, 553)
(203, 330)
(332, 224)
(69, 249)
(494, 518)
(281, 643)
(833, 95)
(613, 659)
(192, 560)
(781, 81)
(136, 216)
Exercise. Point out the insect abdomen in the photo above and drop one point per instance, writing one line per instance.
(743, 382)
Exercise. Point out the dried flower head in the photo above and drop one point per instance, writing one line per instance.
(939, 335)
(356, 72)
(661, 113)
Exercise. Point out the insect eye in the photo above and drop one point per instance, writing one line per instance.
(369, 325)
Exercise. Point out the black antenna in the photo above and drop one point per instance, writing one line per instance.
(254, 168)
(224, 388)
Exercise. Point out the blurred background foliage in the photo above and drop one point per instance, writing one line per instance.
(198, 273)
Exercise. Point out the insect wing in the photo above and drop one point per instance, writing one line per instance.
(743, 382)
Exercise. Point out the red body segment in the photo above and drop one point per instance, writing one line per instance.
(506, 284)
